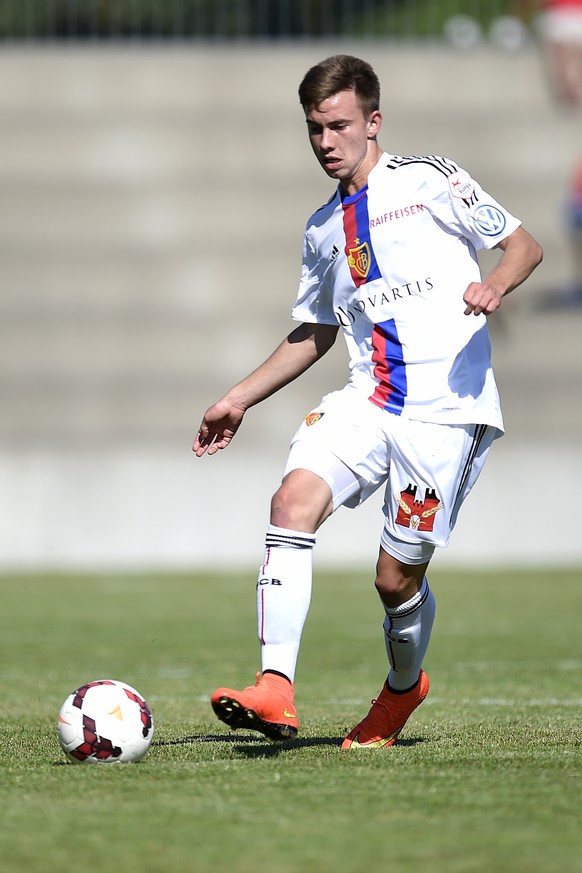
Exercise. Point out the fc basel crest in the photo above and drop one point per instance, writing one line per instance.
(359, 259)
(417, 514)
(313, 418)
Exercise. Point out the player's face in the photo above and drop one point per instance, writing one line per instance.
(343, 139)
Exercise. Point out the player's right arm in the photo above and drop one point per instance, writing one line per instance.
(300, 350)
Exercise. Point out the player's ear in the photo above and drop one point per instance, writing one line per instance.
(374, 124)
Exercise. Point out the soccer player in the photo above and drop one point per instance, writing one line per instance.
(390, 261)
(561, 31)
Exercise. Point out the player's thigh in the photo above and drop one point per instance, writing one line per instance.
(343, 442)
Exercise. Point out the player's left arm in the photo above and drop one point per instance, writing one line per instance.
(521, 254)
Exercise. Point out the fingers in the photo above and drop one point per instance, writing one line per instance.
(199, 446)
(204, 443)
(217, 428)
(481, 298)
(473, 309)
(209, 442)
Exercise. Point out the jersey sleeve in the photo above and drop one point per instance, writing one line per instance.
(463, 207)
(314, 303)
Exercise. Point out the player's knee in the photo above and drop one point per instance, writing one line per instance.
(392, 588)
(302, 502)
(285, 509)
(397, 582)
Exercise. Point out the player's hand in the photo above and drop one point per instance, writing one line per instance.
(482, 297)
(220, 423)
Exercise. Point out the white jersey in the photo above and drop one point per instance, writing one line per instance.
(390, 265)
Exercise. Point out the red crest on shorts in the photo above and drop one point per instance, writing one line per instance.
(417, 514)
(313, 418)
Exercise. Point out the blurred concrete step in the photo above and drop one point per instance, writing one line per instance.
(191, 286)
(131, 152)
(160, 217)
(169, 78)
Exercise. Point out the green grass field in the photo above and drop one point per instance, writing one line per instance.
(487, 776)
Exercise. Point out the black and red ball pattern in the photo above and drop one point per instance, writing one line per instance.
(95, 746)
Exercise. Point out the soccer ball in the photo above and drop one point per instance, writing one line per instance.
(105, 722)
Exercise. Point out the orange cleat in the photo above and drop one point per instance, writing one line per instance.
(266, 706)
(387, 717)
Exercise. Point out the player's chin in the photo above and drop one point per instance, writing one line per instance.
(332, 170)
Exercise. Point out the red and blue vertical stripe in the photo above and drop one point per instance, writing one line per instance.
(389, 369)
(357, 233)
(387, 355)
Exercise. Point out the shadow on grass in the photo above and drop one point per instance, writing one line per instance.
(271, 750)
(253, 746)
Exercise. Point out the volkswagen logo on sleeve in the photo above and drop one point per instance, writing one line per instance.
(489, 219)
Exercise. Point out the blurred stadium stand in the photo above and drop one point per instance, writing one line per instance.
(153, 202)
(228, 20)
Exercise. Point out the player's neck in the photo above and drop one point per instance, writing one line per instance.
(359, 179)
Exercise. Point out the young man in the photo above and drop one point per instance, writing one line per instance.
(390, 259)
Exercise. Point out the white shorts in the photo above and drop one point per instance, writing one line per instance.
(428, 469)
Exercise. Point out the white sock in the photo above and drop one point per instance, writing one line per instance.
(407, 630)
(283, 597)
